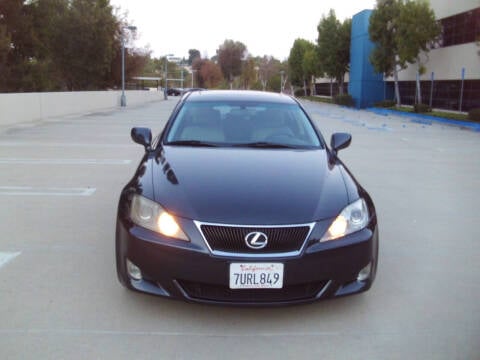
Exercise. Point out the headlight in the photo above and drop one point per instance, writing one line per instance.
(150, 215)
(353, 218)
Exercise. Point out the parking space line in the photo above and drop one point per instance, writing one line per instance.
(45, 191)
(5, 257)
(164, 333)
(32, 161)
(59, 144)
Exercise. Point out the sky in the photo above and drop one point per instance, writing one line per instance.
(266, 27)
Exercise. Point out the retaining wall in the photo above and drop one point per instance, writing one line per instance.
(27, 107)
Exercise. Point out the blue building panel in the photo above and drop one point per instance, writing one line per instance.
(365, 85)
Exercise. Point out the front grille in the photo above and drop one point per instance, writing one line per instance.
(231, 239)
(219, 293)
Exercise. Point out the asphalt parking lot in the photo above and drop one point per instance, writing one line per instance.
(60, 298)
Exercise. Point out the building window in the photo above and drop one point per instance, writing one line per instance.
(445, 93)
(461, 28)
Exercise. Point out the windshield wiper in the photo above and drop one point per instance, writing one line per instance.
(266, 145)
(192, 143)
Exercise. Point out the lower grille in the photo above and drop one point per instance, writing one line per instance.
(224, 294)
(231, 239)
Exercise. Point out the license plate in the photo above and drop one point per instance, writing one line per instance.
(256, 276)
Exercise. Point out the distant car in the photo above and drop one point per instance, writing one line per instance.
(240, 201)
(173, 92)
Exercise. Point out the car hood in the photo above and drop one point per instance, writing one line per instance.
(248, 186)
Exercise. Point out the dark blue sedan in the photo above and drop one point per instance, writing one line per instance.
(240, 201)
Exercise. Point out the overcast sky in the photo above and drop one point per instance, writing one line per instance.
(266, 27)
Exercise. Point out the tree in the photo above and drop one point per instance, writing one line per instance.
(230, 58)
(211, 74)
(137, 61)
(400, 31)
(17, 30)
(192, 55)
(268, 69)
(334, 47)
(46, 15)
(417, 30)
(311, 66)
(196, 67)
(382, 29)
(295, 63)
(248, 73)
(5, 41)
(62, 44)
(85, 45)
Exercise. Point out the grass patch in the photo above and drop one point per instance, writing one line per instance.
(407, 109)
(440, 114)
(318, 99)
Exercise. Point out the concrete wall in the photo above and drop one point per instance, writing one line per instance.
(447, 64)
(26, 107)
(446, 8)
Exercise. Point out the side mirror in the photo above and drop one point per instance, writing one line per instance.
(142, 136)
(340, 141)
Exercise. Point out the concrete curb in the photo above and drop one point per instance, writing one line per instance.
(426, 119)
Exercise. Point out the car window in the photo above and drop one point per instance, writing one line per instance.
(237, 124)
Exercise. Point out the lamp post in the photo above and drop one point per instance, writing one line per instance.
(193, 73)
(165, 95)
(123, 99)
(282, 72)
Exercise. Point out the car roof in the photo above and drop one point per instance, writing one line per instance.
(239, 95)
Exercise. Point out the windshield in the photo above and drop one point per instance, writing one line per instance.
(252, 124)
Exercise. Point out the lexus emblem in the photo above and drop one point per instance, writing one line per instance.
(256, 240)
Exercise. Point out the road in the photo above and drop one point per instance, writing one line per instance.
(60, 299)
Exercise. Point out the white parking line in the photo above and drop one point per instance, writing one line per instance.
(42, 191)
(53, 144)
(166, 333)
(32, 161)
(7, 256)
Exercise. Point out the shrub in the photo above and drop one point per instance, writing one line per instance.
(421, 108)
(345, 99)
(474, 114)
(301, 92)
(385, 104)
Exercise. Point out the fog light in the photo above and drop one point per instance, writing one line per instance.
(364, 274)
(133, 271)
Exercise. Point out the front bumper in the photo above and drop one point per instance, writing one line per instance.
(188, 271)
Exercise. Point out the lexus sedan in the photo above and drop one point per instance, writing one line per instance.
(240, 201)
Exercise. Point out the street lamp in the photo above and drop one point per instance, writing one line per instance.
(165, 95)
(282, 72)
(193, 73)
(123, 99)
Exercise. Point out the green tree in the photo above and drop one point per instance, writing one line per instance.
(230, 58)
(192, 55)
(296, 68)
(417, 31)
(248, 73)
(268, 71)
(334, 47)
(311, 66)
(18, 56)
(401, 31)
(5, 41)
(86, 43)
(62, 44)
(46, 16)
